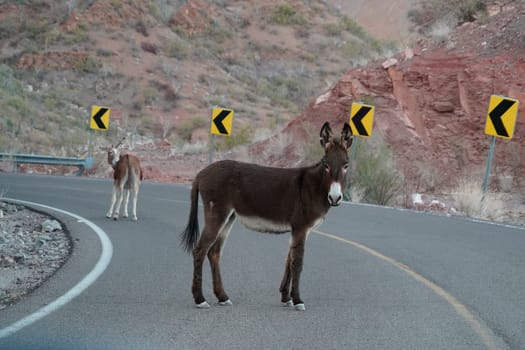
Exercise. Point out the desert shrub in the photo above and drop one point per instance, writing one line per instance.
(332, 29)
(353, 27)
(354, 48)
(176, 48)
(149, 47)
(8, 81)
(116, 4)
(220, 34)
(467, 196)
(185, 130)
(374, 174)
(286, 90)
(455, 12)
(19, 105)
(285, 14)
(8, 27)
(87, 64)
(469, 199)
(239, 136)
(76, 35)
(150, 95)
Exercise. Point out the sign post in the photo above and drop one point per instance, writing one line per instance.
(221, 124)
(501, 119)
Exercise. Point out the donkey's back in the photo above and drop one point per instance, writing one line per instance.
(250, 189)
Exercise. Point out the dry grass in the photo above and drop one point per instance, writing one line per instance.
(469, 199)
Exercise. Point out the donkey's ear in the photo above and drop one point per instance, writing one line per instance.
(119, 145)
(325, 136)
(346, 136)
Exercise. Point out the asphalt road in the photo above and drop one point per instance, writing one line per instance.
(374, 278)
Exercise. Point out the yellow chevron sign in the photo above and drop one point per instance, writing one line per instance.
(361, 119)
(99, 118)
(501, 117)
(221, 121)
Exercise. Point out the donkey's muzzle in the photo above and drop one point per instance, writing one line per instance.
(335, 196)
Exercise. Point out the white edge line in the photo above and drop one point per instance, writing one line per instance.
(90, 278)
(438, 214)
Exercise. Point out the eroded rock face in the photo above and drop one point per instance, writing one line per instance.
(432, 105)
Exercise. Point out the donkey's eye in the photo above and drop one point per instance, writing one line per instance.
(327, 168)
(345, 167)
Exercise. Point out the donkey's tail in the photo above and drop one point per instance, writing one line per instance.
(190, 235)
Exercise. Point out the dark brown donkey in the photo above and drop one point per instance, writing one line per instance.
(267, 200)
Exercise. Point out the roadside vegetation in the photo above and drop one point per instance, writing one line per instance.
(469, 199)
(436, 18)
(373, 178)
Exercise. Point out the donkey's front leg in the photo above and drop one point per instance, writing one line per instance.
(296, 266)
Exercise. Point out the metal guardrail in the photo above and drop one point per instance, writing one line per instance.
(81, 163)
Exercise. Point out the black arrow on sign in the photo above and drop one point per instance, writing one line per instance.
(358, 117)
(98, 118)
(218, 121)
(496, 114)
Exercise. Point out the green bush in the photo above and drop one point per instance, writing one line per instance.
(430, 12)
(86, 65)
(285, 14)
(240, 136)
(177, 48)
(8, 27)
(76, 35)
(466, 10)
(185, 130)
(8, 81)
(332, 29)
(353, 27)
(19, 105)
(373, 172)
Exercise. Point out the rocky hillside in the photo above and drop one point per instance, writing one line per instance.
(432, 101)
(161, 65)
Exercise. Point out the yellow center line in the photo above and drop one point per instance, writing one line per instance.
(485, 333)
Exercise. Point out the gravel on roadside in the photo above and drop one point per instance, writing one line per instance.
(33, 246)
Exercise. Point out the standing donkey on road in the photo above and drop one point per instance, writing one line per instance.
(127, 175)
(265, 199)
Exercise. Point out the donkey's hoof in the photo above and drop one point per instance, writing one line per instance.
(115, 218)
(133, 217)
(226, 303)
(125, 215)
(299, 307)
(287, 304)
(203, 305)
(108, 215)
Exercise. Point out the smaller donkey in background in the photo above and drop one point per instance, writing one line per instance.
(127, 175)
